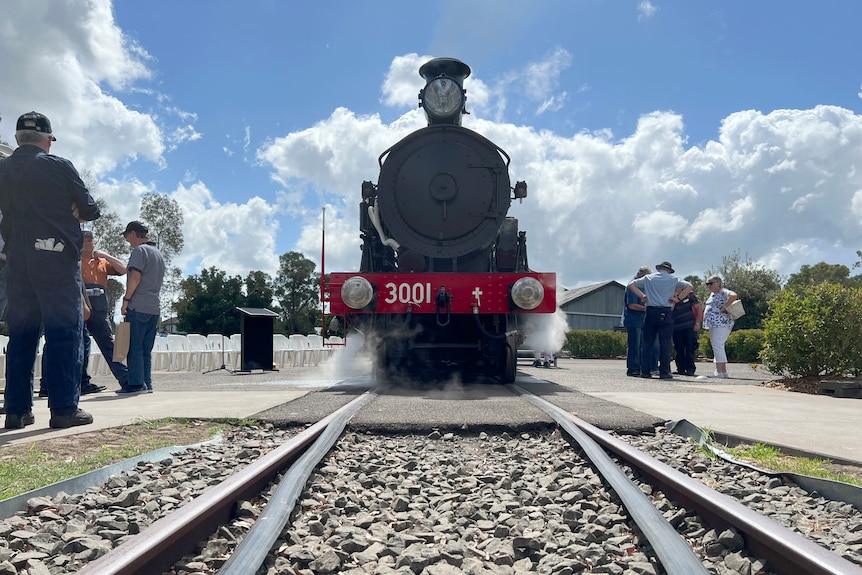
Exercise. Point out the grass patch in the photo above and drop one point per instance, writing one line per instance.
(27, 467)
(769, 457)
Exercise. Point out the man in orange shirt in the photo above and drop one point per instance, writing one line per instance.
(96, 266)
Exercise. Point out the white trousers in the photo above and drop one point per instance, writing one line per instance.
(717, 337)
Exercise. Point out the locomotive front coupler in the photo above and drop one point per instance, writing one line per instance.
(442, 301)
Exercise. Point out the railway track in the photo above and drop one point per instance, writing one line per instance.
(172, 544)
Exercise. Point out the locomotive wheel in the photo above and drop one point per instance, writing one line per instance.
(510, 363)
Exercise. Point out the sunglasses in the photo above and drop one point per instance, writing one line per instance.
(709, 283)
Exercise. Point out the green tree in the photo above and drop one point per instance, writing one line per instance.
(259, 290)
(165, 219)
(817, 274)
(753, 283)
(297, 289)
(208, 302)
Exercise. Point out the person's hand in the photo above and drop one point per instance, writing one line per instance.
(76, 213)
(124, 308)
(97, 254)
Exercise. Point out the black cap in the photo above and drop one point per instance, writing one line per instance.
(35, 121)
(138, 227)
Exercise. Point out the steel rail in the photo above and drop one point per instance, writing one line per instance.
(254, 548)
(787, 551)
(162, 544)
(674, 553)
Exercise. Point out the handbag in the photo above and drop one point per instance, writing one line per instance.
(122, 333)
(735, 310)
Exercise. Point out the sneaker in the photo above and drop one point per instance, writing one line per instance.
(633, 373)
(131, 391)
(149, 390)
(656, 373)
(14, 421)
(665, 376)
(80, 417)
(92, 389)
(718, 375)
(646, 376)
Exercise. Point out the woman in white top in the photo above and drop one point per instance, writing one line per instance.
(719, 324)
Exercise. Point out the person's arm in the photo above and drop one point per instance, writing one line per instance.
(731, 297)
(132, 282)
(637, 291)
(119, 266)
(637, 307)
(697, 310)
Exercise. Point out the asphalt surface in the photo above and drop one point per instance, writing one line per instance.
(595, 390)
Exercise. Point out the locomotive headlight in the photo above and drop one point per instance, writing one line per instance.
(528, 293)
(357, 292)
(442, 98)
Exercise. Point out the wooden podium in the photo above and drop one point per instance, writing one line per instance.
(256, 338)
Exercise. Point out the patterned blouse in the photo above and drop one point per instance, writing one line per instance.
(712, 316)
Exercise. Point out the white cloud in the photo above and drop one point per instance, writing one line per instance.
(599, 207)
(646, 10)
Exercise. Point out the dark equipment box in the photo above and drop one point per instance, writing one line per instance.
(841, 388)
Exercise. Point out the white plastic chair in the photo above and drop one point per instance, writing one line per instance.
(161, 354)
(178, 345)
(236, 350)
(316, 350)
(4, 339)
(200, 356)
(299, 344)
(281, 350)
(96, 364)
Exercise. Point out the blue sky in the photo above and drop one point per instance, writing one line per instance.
(646, 130)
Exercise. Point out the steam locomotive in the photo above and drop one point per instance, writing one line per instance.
(443, 284)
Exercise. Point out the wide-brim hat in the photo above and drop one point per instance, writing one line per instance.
(665, 265)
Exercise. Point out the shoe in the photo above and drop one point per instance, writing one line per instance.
(665, 376)
(80, 417)
(92, 389)
(131, 391)
(149, 390)
(14, 421)
(655, 373)
(633, 373)
(646, 376)
(718, 375)
(43, 392)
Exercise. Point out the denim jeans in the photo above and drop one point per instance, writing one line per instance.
(658, 322)
(2, 288)
(142, 337)
(44, 290)
(633, 350)
(100, 329)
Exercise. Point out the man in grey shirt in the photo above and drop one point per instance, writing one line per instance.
(657, 292)
(144, 275)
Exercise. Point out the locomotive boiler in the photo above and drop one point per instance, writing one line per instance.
(444, 284)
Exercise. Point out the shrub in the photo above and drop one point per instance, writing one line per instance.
(594, 344)
(814, 330)
(744, 345)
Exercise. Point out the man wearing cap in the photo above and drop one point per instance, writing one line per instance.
(144, 275)
(96, 266)
(43, 201)
(657, 291)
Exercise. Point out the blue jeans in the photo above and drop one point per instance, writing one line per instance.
(658, 322)
(100, 329)
(44, 289)
(2, 288)
(142, 337)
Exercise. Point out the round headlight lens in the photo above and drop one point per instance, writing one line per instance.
(357, 292)
(443, 98)
(528, 293)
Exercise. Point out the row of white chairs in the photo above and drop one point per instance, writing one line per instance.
(195, 352)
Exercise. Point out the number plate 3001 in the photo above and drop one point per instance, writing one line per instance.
(406, 293)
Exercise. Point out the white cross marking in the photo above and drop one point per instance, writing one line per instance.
(476, 294)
